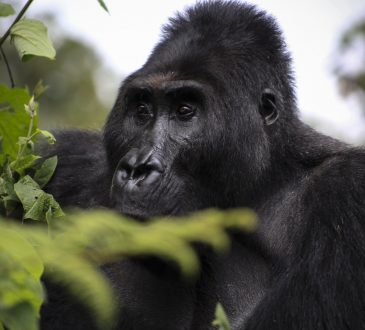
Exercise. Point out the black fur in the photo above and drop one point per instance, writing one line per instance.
(243, 145)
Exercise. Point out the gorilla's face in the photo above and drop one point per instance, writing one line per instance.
(174, 146)
(158, 142)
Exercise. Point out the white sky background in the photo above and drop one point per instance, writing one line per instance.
(126, 37)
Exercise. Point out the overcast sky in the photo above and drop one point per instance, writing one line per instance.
(312, 28)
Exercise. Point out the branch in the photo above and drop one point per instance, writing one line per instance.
(7, 67)
(20, 15)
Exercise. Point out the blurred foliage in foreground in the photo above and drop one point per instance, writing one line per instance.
(77, 244)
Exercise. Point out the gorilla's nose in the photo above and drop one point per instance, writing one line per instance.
(137, 169)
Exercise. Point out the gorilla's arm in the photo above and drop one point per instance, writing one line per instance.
(81, 177)
(322, 284)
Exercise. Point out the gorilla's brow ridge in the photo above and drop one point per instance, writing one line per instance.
(168, 85)
(154, 80)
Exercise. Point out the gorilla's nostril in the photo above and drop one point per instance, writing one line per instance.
(142, 171)
(156, 165)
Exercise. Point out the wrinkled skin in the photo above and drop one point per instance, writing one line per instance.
(211, 121)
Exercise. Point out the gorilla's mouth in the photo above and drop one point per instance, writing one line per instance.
(137, 202)
(131, 205)
(136, 183)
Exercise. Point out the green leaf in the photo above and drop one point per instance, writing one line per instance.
(48, 135)
(39, 208)
(45, 172)
(30, 38)
(54, 210)
(6, 10)
(8, 183)
(14, 121)
(28, 191)
(44, 209)
(221, 320)
(23, 163)
(37, 204)
(103, 5)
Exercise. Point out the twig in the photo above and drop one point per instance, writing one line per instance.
(28, 137)
(20, 15)
(7, 67)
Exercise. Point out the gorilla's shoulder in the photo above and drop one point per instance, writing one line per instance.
(337, 185)
(76, 142)
(346, 165)
(81, 177)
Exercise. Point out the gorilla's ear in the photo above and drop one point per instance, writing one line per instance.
(268, 109)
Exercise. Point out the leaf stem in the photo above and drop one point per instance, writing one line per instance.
(20, 15)
(7, 67)
(28, 138)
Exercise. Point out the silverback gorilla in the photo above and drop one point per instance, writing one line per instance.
(211, 121)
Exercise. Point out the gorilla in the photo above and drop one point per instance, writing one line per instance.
(210, 120)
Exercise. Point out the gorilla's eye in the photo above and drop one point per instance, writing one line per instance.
(143, 113)
(185, 112)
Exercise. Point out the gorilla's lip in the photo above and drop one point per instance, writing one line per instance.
(137, 207)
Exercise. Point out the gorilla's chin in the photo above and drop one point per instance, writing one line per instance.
(138, 206)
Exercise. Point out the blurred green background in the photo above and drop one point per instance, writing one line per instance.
(77, 95)
(82, 87)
